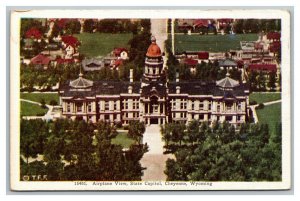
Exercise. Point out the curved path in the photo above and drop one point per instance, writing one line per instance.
(47, 116)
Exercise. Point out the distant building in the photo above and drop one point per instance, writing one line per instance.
(40, 61)
(153, 99)
(92, 64)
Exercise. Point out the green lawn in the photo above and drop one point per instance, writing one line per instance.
(264, 97)
(270, 115)
(29, 109)
(37, 97)
(123, 140)
(213, 43)
(101, 44)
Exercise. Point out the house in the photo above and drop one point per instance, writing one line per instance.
(153, 99)
(191, 64)
(34, 34)
(227, 64)
(70, 45)
(121, 53)
(92, 64)
(40, 61)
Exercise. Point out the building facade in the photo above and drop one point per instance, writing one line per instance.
(155, 100)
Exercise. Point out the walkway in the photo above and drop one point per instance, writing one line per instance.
(49, 115)
(265, 104)
(154, 160)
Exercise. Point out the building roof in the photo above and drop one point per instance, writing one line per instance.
(119, 50)
(70, 40)
(40, 59)
(33, 33)
(64, 61)
(264, 67)
(153, 49)
(194, 87)
(81, 83)
(227, 82)
(190, 62)
(227, 62)
(203, 55)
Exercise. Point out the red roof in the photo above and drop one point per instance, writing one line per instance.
(273, 36)
(117, 51)
(64, 61)
(275, 46)
(70, 40)
(190, 62)
(203, 55)
(118, 62)
(201, 22)
(40, 59)
(265, 67)
(33, 33)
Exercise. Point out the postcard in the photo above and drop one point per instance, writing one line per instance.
(150, 100)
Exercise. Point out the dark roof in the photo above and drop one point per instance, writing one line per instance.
(158, 88)
(227, 62)
(100, 88)
(205, 88)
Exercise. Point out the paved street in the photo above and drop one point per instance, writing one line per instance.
(154, 160)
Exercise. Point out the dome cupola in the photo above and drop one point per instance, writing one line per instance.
(154, 49)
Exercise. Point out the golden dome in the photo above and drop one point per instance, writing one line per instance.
(153, 49)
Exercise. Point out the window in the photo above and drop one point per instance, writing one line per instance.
(218, 108)
(201, 116)
(89, 107)
(209, 106)
(126, 105)
(192, 106)
(106, 117)
(79, 107)
(115, 105)
(201, 105)
(68, 107)
(106, 105)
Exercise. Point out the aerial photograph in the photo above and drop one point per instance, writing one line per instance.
(150, 100)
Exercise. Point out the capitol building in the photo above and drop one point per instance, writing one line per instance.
(153, 99)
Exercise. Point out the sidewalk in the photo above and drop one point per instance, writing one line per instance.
(154, 161)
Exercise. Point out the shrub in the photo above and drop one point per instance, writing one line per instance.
(53, 102)
(43, 103)
(260, 106)
(118, 124)
(253, 103)
(126, 127)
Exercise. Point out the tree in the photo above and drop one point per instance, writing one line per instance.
(272, 80)
(33, 135)
(89, 25)
(72, 27)
(136, 131)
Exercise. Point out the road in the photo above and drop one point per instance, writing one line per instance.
(159, 30)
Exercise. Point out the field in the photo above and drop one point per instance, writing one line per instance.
(270, 115)
(264, 97)
(212, 43)
(37, 97)
(29, 109)
(123, 140)
(101, 44)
